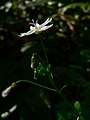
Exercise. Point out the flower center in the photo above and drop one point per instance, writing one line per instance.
(37, 26)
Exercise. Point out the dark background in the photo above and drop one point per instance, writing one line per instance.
(67, 46)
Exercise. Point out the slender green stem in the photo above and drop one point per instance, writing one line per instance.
(50, 74)
(27, 81)
(52, 80)
(44, 50)
(59, 91)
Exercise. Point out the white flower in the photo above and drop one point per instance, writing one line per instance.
(36, 28)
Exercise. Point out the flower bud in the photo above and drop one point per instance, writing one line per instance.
(7, 90)
(77, 106)
(34, 61)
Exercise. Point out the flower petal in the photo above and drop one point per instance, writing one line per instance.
(27, 33)
(30, 32)
(32, 28)
(46, 27)
(22, 34)
(46, 22)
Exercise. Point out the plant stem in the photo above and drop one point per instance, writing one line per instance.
(52, 80)
(27, 81)
(44, 50)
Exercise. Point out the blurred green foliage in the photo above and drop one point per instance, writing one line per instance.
(67, 46)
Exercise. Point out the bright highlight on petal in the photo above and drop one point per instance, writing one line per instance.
(6, 91)
(47, 21)
(36, 28)
(46, 27)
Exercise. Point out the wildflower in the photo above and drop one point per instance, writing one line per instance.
(4, 115)
(36, 28)
(13, 108)
(7, 90)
